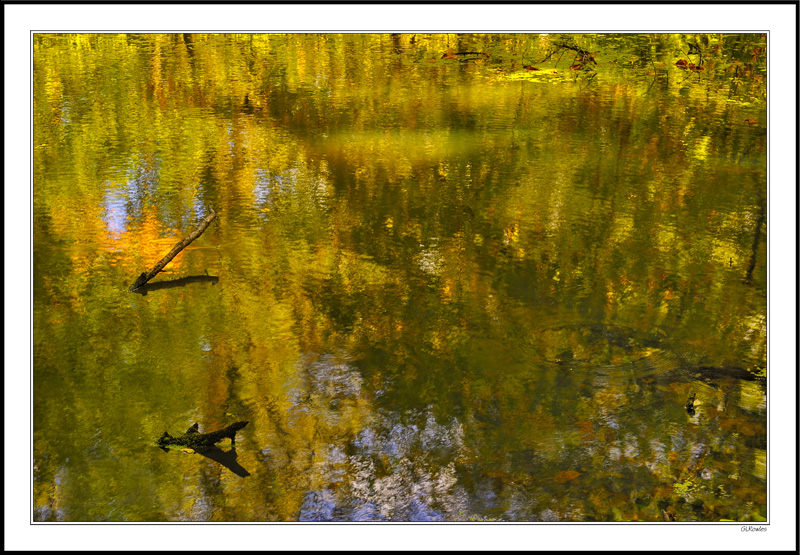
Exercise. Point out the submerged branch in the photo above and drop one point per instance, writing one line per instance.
(147, 276)
(583, 55)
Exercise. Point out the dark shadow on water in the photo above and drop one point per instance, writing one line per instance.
(225, 458)
(144, 289)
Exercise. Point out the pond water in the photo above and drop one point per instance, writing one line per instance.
(451, 277)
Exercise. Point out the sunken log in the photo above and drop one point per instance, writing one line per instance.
(193, 439)
(144, 277)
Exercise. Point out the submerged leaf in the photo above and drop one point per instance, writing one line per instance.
(565, 476)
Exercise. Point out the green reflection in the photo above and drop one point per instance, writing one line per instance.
(441, 286)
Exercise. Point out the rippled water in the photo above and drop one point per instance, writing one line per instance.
(440, 286)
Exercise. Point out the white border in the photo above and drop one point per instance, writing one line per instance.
(779, 20)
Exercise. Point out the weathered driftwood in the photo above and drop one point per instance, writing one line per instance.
(147, 276)
(195, 440)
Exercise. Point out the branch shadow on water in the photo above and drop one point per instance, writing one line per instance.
(226, 459)
(182, 282)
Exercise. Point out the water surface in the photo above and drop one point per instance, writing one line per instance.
(440, 286)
